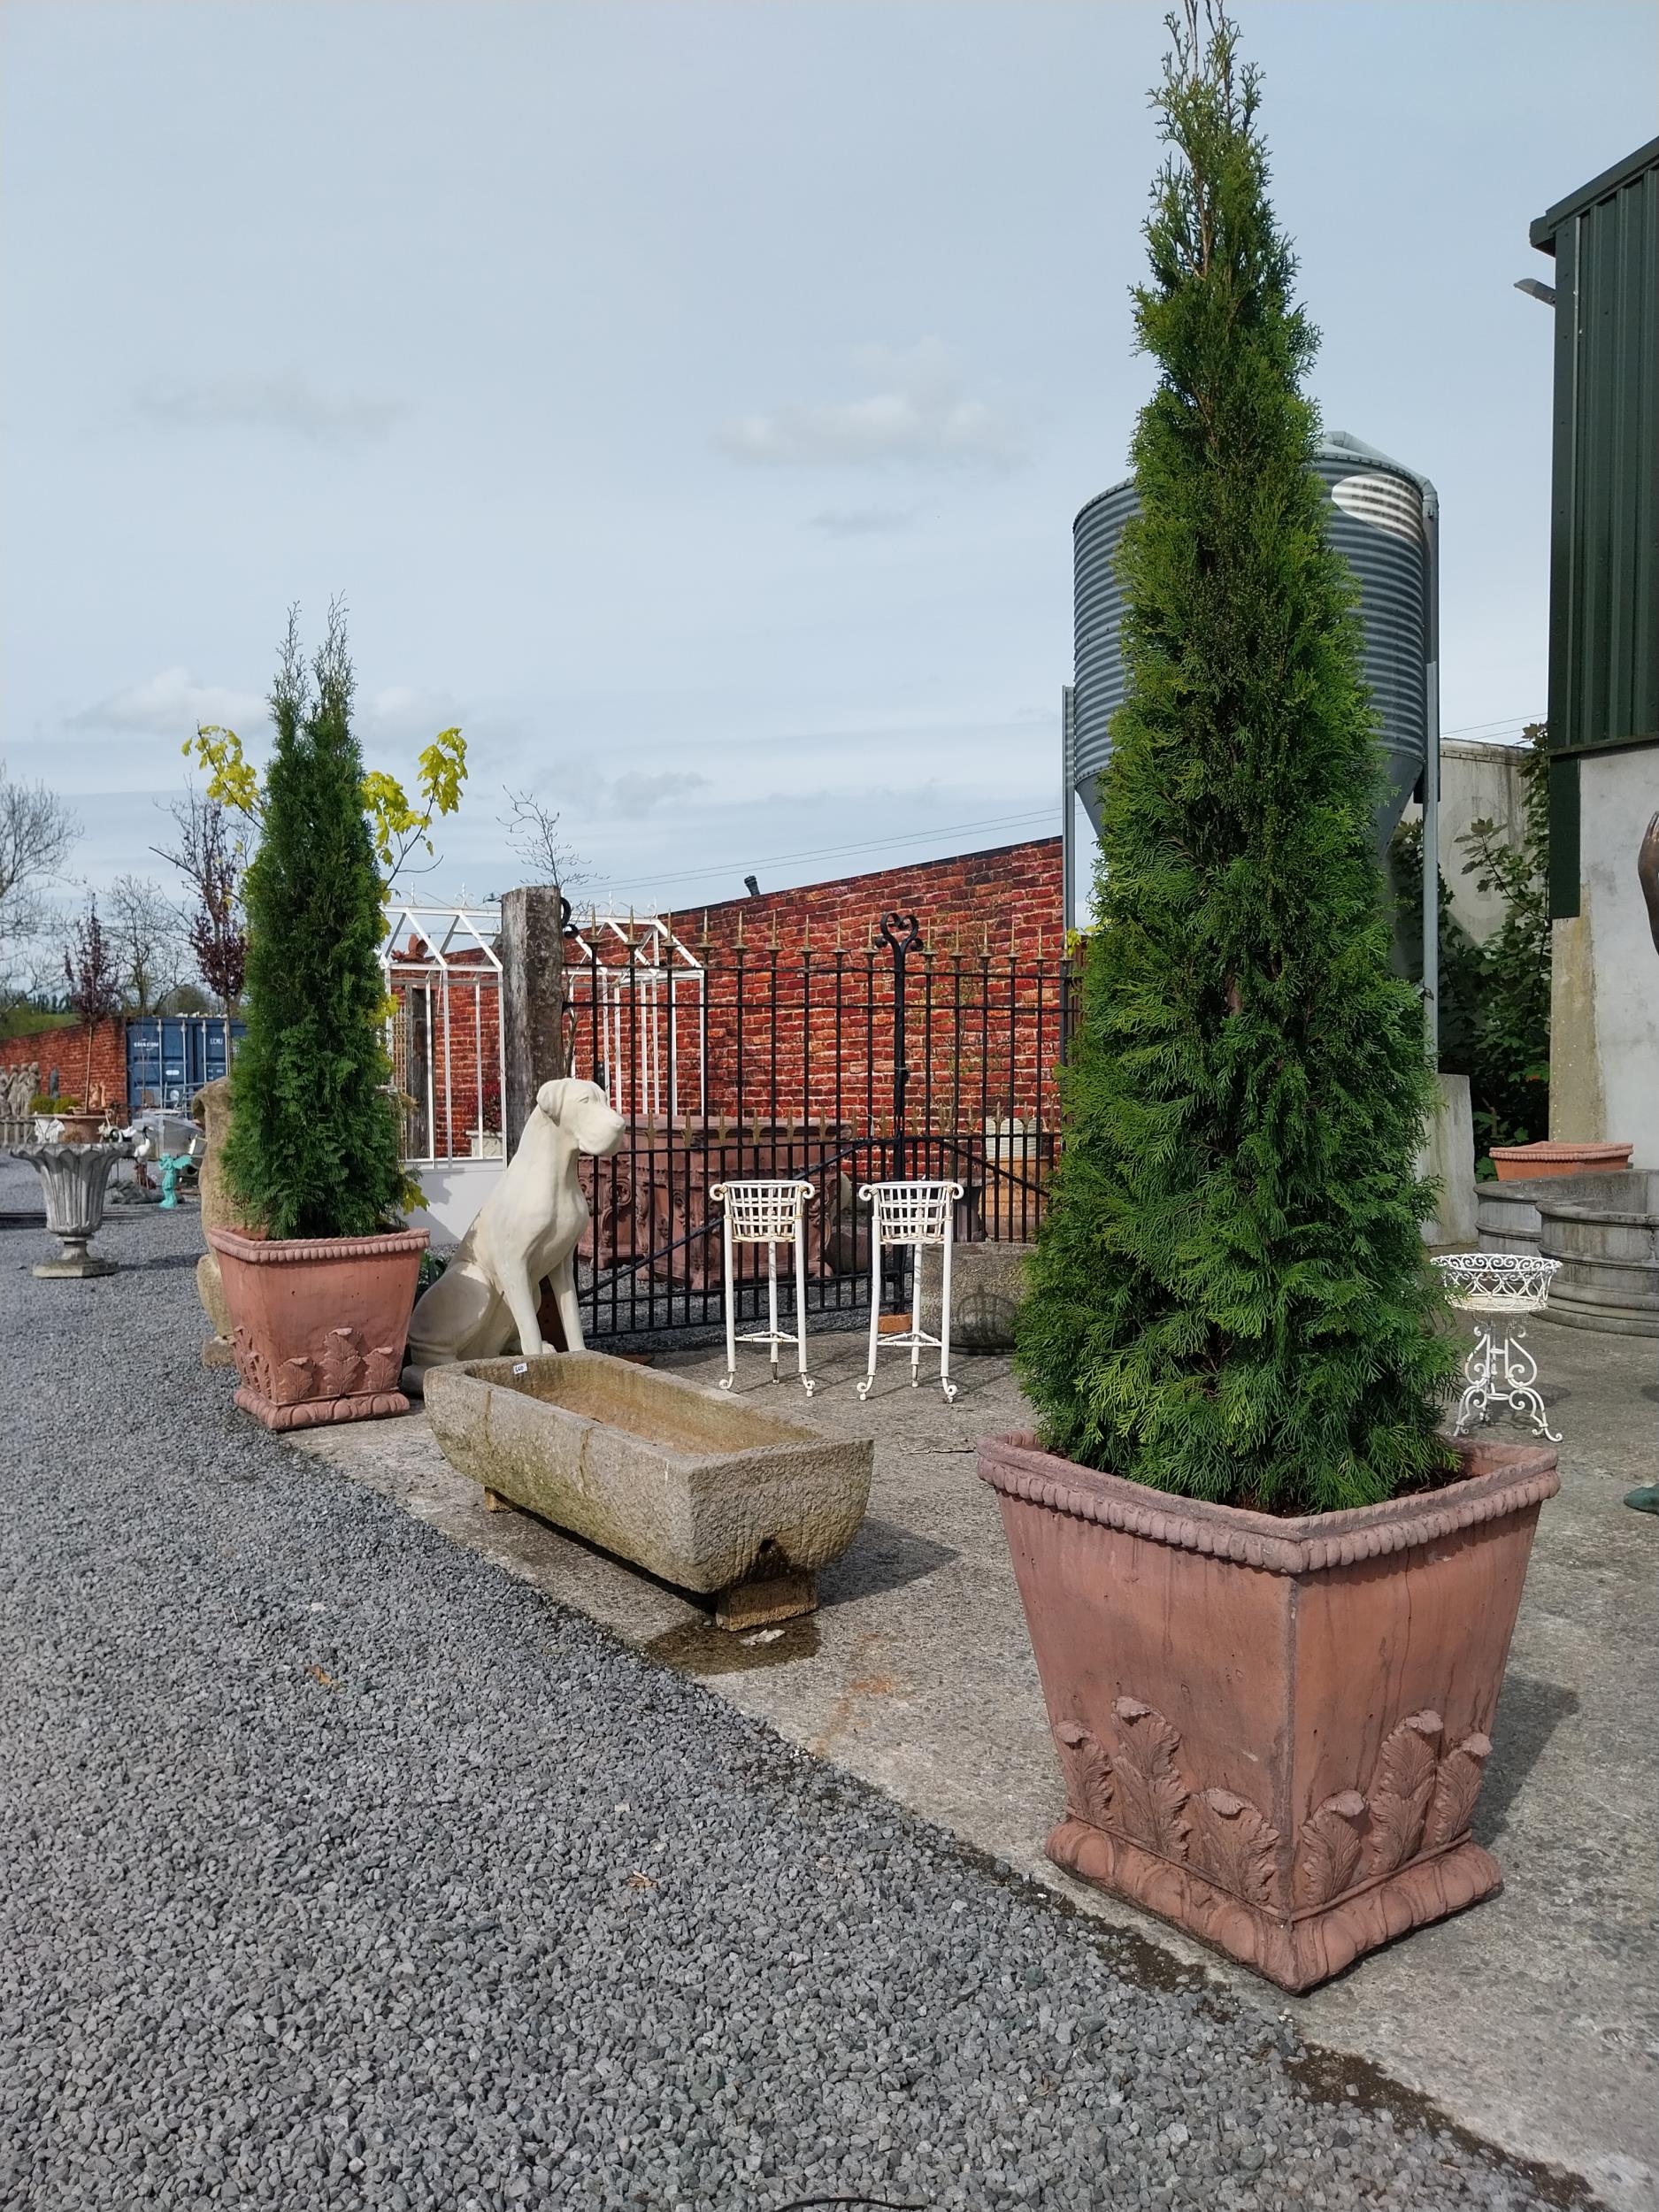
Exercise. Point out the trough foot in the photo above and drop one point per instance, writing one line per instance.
(758, 1604)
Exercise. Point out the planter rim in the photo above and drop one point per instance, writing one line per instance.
(1545, 1149)
(1586, 1210)
(1502, 1479)
(464, 1377)
(286, 1251)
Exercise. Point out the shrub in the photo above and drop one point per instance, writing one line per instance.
(1230, 1294)
(313, 1149)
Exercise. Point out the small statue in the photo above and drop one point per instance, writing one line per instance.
(172, 1166)
(526, 1232)
(18, 1089)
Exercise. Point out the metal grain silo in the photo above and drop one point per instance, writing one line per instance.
(1385, 519)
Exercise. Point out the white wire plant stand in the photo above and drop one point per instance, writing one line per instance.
(768, 1212)
(1499, 1289)
(914, 1214)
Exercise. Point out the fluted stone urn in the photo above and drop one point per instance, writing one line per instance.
(76, 1181)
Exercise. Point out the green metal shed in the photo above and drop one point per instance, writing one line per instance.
(1604, 524)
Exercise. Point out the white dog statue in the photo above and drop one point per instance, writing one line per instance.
(526, 1232)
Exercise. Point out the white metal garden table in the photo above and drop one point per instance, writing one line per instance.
(768, 1212)
(1498, 1289)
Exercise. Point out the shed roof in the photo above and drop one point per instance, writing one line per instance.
(1543, 231)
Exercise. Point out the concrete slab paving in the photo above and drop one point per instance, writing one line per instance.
(1532, 2020)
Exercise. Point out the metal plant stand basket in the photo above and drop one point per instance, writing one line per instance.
(1497, 1287)
(768, 1213)
(914, 1214)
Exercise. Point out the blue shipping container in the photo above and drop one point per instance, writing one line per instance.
(169, 1056)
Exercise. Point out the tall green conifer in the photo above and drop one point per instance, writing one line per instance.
(1230, 1295)
(314, 1149)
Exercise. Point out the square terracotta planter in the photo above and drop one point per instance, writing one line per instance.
(318, 1324)
(1272, 1731)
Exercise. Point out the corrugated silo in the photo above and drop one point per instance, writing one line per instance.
(1385, 519)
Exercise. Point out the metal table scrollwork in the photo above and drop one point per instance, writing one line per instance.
(1497, 1288)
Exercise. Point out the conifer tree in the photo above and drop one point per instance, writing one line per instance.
(1230, 1297)
(314, 1150)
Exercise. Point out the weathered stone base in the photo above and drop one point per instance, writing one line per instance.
(73, 1270)
(758, 1604)
(988, 1286)
(1297, 1954)
(216, 1352)
(315, 1413)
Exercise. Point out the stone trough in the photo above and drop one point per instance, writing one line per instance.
(705, 1492)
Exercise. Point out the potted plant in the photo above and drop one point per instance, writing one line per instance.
(1270, 1604)
(319, 1290)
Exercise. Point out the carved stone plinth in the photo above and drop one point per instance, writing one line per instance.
(1272, 1731)
(76, 1181)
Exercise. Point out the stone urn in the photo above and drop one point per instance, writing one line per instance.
(318, 1324)
(76, 1181)
(1272, 1731)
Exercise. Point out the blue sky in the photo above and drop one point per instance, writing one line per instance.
(692, 401)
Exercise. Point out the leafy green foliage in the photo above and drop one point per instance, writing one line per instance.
(1494, 995)
(1509, 1080)
(397, 824)
(314, 1148)
(1230, 1294)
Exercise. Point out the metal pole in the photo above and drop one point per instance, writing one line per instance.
(901, 935)
(1068, 808)
(1431, 785)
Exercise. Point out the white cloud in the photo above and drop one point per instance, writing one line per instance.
(401, 714)
(920, 414)
(637, 794)
(170, 705)
(860, 522)
(288, 402)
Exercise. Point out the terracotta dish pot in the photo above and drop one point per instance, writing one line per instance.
(1519, 1162)
(1272, 1731)
(318, 1323)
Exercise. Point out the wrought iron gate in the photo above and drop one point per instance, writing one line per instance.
(901, 1058)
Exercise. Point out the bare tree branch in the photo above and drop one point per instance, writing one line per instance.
(532, 828)
(213, 860)
(150, 942)
(36, 831)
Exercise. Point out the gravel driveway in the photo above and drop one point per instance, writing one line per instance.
(338, 1870)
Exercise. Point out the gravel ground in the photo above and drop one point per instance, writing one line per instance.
(337, 1869)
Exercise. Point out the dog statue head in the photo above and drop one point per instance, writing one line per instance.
(584, 1114)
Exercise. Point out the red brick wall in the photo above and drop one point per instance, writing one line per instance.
(472, 1054)
(797, 1027)
(982, 1000)
(970, 903)
(65, 1050)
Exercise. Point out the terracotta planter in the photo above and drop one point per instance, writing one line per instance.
(81, 1128)
(318, 1324)
(1522, 1163)
(1272, 1731)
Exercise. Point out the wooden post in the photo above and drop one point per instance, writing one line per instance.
(532, 949)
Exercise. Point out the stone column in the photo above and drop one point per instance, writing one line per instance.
(532, 949)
